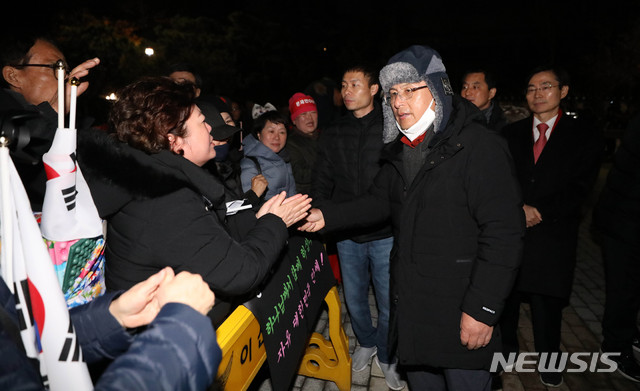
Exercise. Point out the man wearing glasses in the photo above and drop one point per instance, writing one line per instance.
(448, 185)
(29, 72)
(557, 158)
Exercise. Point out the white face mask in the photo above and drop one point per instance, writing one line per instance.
(417, 129)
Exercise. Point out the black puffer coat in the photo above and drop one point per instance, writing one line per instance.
(458, 228)
(617, 212)
(162, 210)
(348, 161)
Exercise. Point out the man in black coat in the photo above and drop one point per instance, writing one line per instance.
(555, 177)
(617, 217)
(479, 87)
(348, 161)
(449, 186)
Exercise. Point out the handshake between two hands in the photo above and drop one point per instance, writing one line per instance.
(294, 209)
(139, 305)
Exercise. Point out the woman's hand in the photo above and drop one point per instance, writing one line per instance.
(259, 184)
(290, 210)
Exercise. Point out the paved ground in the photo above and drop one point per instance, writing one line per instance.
(581, 332)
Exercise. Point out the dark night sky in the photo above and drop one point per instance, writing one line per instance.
(510, 39)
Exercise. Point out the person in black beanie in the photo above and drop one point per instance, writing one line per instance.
(226, 164)
(449, 186)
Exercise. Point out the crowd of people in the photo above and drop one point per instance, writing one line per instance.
(455, 210)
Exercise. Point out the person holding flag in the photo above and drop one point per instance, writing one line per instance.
(150, 361)
(30, 82)
(35, 324)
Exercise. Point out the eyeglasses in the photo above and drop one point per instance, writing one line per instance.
(543, 88)
(53, 66)
(405, 94)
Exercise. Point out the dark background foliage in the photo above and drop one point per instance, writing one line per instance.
(264, 51)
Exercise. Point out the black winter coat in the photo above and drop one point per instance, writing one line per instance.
(348, 161)
(618, 210)
(497, 121)
(303, 153)
(557, 185)
(162, 210)
(35, 137)
(458, 231)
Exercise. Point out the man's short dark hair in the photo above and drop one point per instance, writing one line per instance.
(561, 74)
(488, 76)
(369, 73)
(15, 50)
(185, 67)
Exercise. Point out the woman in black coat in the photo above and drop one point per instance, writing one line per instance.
(163, 209)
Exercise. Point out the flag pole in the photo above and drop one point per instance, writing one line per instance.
(74, 96)
(61, 109)
(6, 219)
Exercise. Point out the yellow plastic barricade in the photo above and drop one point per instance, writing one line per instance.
(243, 351)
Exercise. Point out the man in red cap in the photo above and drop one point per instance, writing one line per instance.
(302, 142)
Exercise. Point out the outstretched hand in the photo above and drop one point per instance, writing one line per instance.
(314, 221)
(290, 210)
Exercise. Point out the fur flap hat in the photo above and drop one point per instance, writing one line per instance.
(412, 65)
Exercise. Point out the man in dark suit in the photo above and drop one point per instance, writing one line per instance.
(557, 159)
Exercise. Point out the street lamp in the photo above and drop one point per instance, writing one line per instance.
(149, 52)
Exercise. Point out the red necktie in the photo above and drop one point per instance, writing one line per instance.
(542, 140)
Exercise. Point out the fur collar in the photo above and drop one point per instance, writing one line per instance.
(116, 171)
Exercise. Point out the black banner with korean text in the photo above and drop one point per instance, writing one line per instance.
(288, 306)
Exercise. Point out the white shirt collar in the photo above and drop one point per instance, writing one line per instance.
(550, 123)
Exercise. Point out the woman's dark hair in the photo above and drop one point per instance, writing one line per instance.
(148, 110)
(272, 116)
